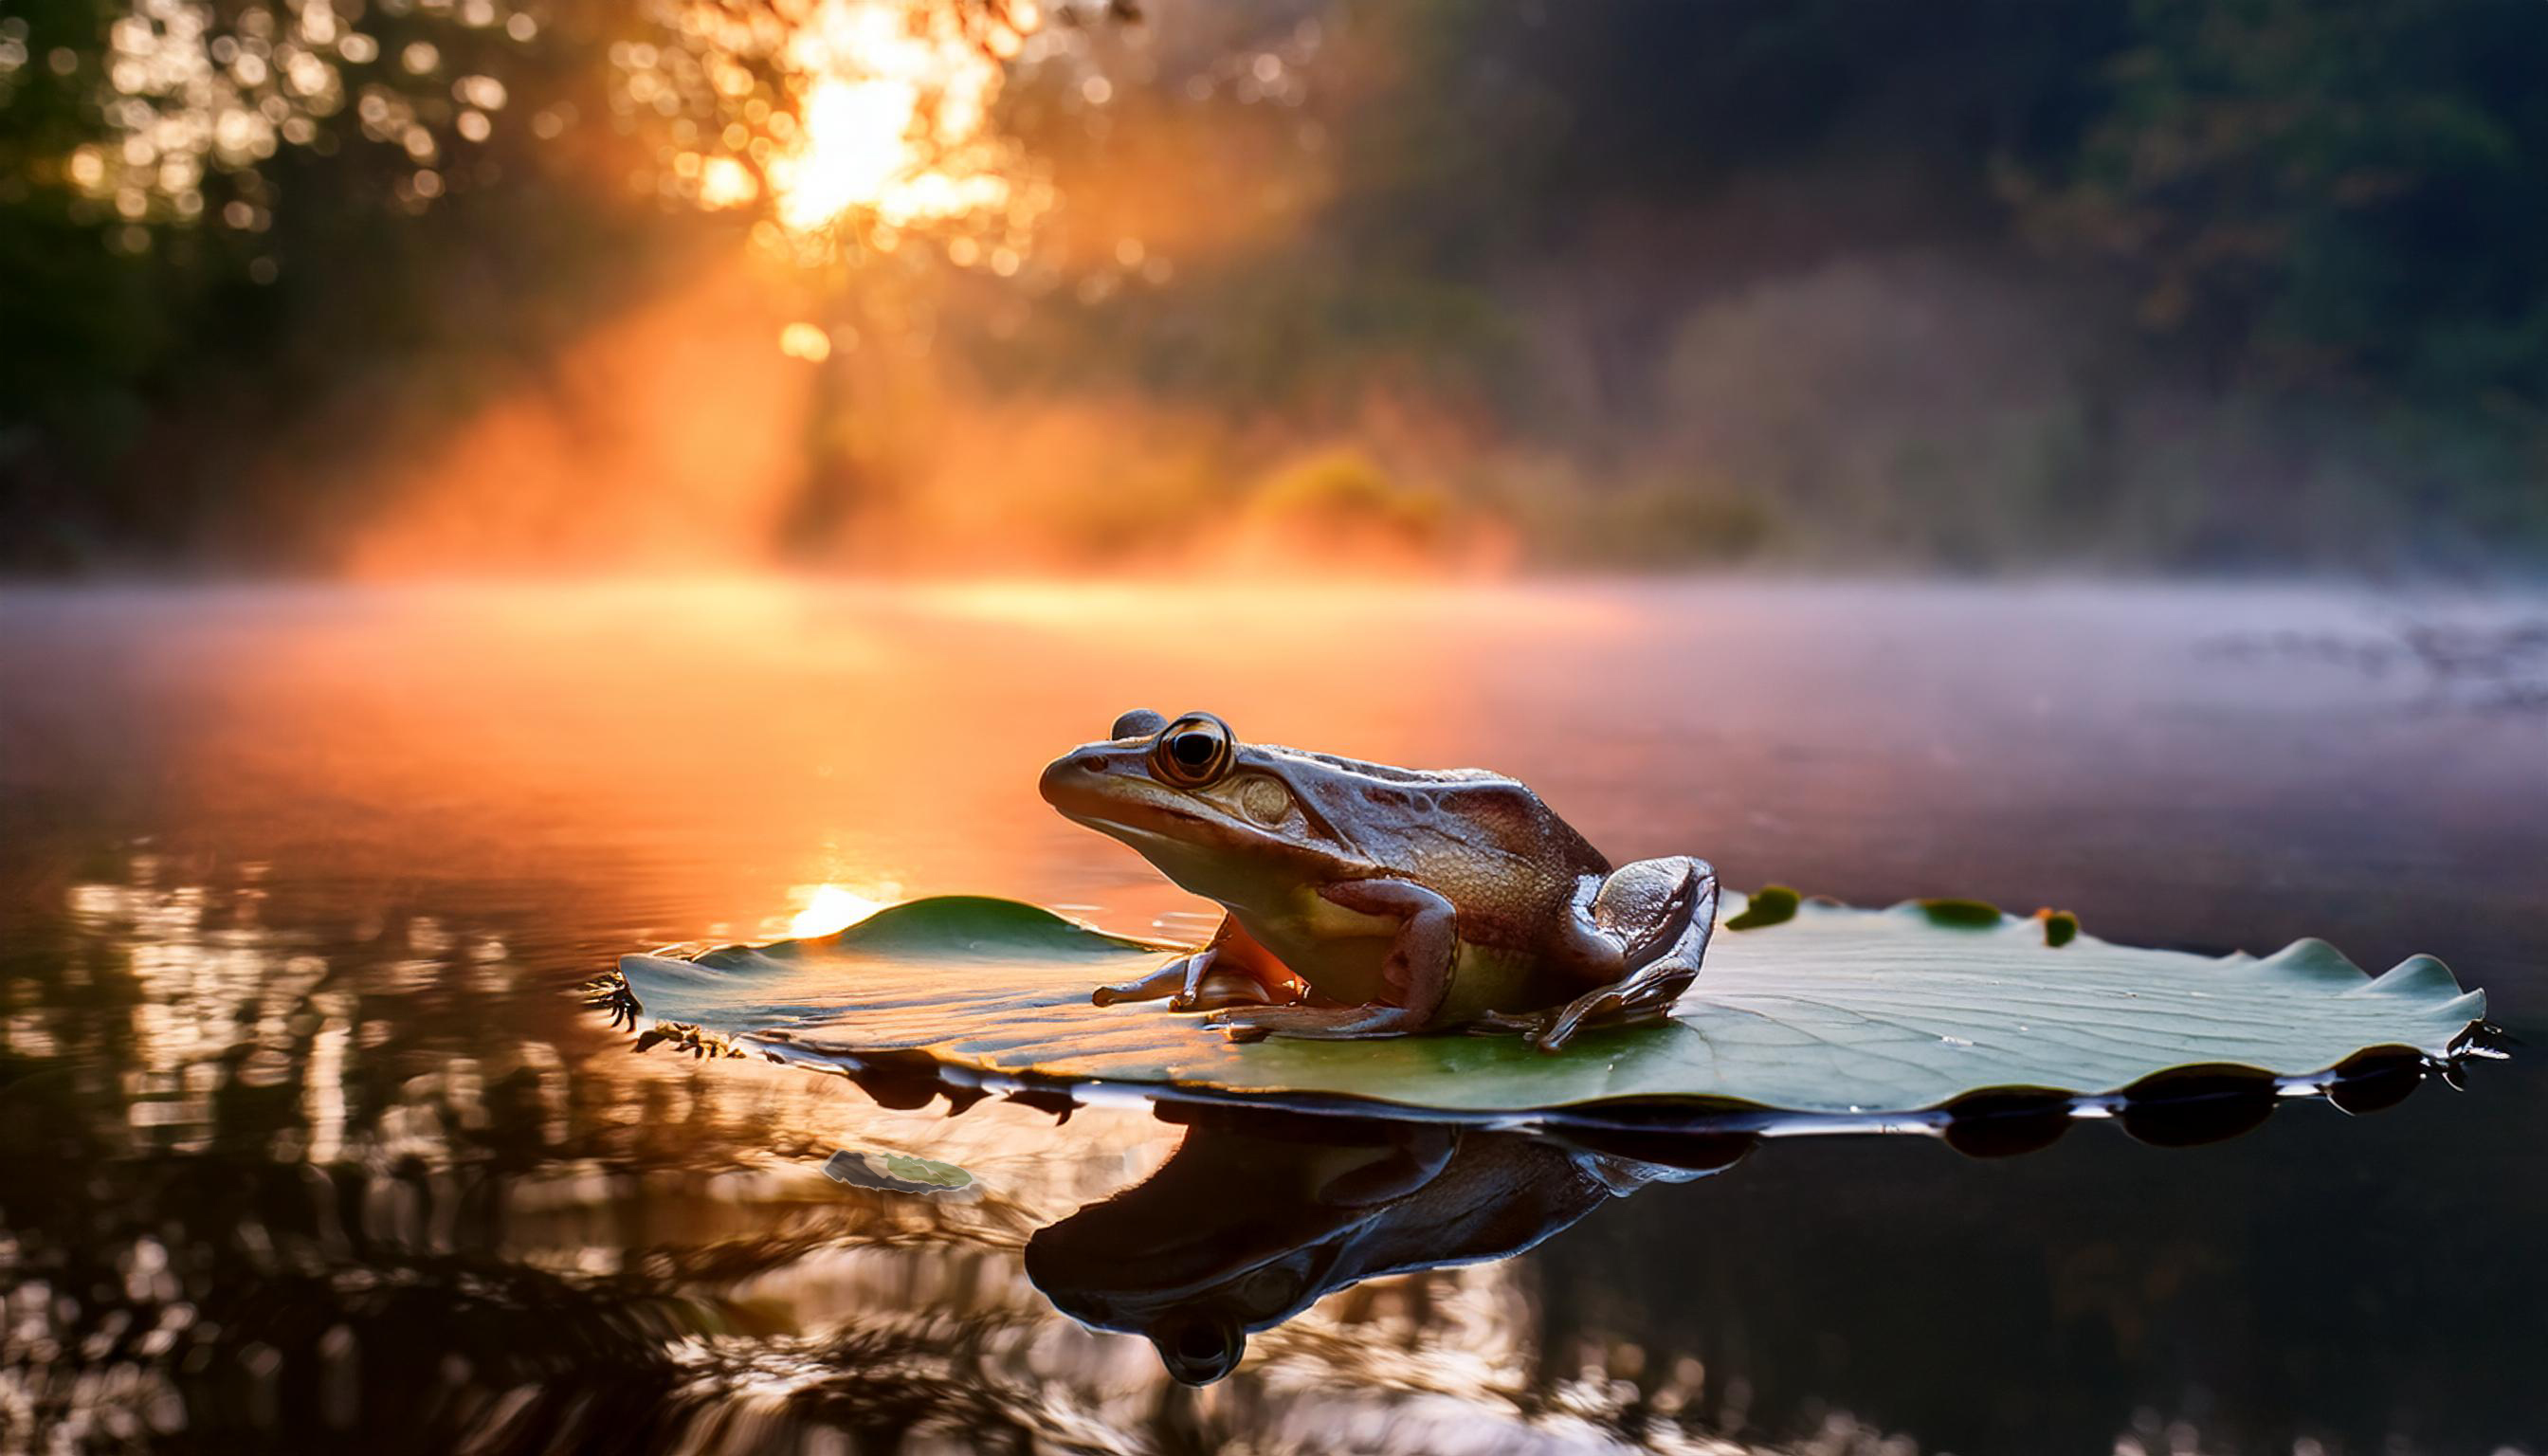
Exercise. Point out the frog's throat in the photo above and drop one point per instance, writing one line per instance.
(1260, 883)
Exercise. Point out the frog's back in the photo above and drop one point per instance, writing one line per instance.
(1482, 840)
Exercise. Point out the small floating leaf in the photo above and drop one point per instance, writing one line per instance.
(2060, 927)
(1838, 1011)
(1771, 904)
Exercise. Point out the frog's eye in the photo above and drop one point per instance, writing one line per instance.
(1192, 752)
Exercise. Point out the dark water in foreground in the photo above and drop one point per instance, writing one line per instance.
(305, 1140)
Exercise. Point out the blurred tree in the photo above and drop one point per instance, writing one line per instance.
(2328, 207)
(252, 247)
(221, 231)
(2329, 194)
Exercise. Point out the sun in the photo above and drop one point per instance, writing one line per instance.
(895, 102)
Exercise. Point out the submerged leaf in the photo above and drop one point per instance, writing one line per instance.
(895, 1172)
(1836, 1011)
(925, 1170)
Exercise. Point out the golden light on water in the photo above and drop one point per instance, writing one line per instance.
(828, 908)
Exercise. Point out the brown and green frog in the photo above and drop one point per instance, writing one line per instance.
(1366, 900)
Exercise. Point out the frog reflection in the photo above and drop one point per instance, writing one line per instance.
(1257, 1215)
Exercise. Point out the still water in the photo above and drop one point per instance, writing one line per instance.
(308, 1138)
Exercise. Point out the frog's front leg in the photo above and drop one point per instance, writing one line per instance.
(1413, 980)
(1231, 969)
(1167, 980)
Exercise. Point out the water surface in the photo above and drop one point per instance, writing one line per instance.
(309, 1138)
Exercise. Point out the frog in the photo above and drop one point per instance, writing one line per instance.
(1362, 900)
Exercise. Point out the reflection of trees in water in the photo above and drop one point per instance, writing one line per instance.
(293, 1186)
(267, 1182)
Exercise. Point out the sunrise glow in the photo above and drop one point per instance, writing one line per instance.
(893, 104)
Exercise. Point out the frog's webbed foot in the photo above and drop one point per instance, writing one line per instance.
(1659, 914)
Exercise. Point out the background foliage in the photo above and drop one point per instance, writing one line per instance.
(1985, 284)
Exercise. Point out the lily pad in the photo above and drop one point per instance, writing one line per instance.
(1832, 1012)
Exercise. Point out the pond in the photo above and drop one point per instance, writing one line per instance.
(309, 1135)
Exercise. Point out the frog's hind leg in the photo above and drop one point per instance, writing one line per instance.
(1231, 970)
(1659, 913)
(1413, 978)
(1650, 907)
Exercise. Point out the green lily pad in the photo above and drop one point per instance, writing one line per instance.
(1834, 1011)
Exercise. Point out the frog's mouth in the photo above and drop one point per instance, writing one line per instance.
(1088, 790)
(1144, 822)
(1212, 854)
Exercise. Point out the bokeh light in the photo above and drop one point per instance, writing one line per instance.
(858, 121)
(196, 94)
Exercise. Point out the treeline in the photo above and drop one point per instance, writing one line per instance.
(2174, 283)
